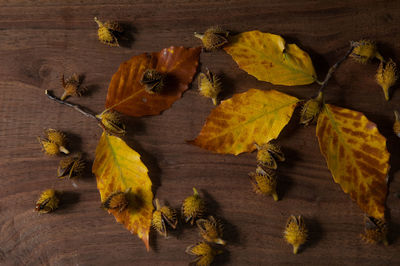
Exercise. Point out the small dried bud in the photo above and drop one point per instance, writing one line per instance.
(153, 81)
(54, 143)
(111, 123)
(71, 167)
(264, 182)
(72, 86)
(107, 32)
(163, 216)
(311, 110)
(209, 85)
(204, 252)
(116, 201)
(396, 125)
(211, 230)
(268, 154)
(193, 207)
(364, 51)
(375, 231)
(214, 38)
(386, 77)
(296, 232)
(47, 202)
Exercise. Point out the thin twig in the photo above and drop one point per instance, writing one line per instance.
(334, 67)
(75, 106)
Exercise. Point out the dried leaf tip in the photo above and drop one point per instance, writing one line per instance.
(364, 51)
(386, 76)
(296, 232)
(213, 38)
(111, 122)
(71, 167)
(107, 31)
(211, 230)
(264, 182)
(54, 143)
(117, 201)
(162, 217)
(153, 81)
(396, 125)
(193, 207)
(268, 153)
(47, 202)
(311, 110)
(72, 86)
(209, 85)
(204, 252)
(375, 231)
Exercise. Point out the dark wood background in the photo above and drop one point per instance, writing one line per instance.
(41, 40)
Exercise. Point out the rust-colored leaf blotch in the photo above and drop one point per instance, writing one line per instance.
(255, 116)
(356, 155)
(127, 94)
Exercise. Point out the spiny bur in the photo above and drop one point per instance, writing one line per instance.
(107, 32)
(264, 182)
(311, 110)
(268, 153)
(54, 143)
(47, 202)
(72, 86)
(211, 230)
(71, 167)
(386, 77)
(111, 122)
(213, 38)
(364, 51)
(296, 232)
(375, 231)
(117, 201)
(162, 217)
(153, 81)
(193, 207)
(205, 253)
(209, 85)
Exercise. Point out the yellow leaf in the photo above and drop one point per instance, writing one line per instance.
(267, 57)
(118, 168)
(356, 155)
(255, 116)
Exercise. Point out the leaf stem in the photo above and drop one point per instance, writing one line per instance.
(334, 67)
(75, 106)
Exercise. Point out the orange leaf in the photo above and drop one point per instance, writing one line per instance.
(356, 155)
(127, 95)
(118, 168)
(255, 116)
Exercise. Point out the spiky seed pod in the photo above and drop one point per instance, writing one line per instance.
(116, 201)
(204, 252)
(296, 232)
(111, 123)
(211, 230)
(268, 154)
(193, 207)
(106, 32)
(396, 124)
(264, 182)
(209, 85)
(213, 38)
(364, 51)
(311, 110)
(72, 86)
(375, 231)
(47, 202)
(71, 167)
(153, 81)
(54, 143)
(163, 216)
(386, 76)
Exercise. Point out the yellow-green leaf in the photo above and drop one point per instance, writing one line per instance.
(255, 116)
(117, 168)
(269, 58)
(356, 155)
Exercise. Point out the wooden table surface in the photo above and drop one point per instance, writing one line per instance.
(41, 40)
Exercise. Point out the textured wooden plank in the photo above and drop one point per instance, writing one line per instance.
(40, 40)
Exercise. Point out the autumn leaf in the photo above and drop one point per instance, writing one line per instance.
(117, 168)
(127, 95)
(255, 116)
(267, 57)
(356, 155)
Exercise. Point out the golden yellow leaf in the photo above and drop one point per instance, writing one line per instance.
(269, 58)
(356, 155)
(255, 116)
(118, 168)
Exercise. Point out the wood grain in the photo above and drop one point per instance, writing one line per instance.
(41, 40)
